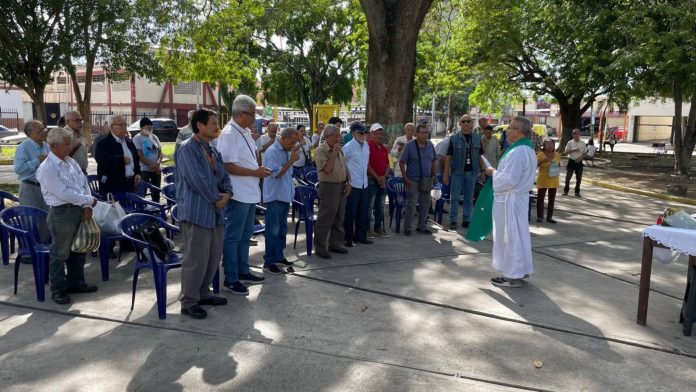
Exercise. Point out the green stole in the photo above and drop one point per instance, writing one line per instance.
(482, 218)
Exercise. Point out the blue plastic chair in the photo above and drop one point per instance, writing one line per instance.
(145, 258)
(440, 204)
(216, 278)
(169, 179)
(304, 198)
(145, 189)
(397, 195)
(133, 203)
(312, 178)
(168, 171)
(93, 181)
(7, 239)
(24, 222)
(169, 193)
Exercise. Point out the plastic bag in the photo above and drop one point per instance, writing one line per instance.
(108, 215)
(87, 238)
(676, 217)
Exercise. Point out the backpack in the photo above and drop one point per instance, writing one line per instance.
(149, 232)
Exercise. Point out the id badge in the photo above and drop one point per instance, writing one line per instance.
(468, 161)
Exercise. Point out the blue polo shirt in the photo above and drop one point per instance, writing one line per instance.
(277, 188)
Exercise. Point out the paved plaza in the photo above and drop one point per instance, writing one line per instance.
(405, 314)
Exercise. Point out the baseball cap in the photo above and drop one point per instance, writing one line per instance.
(376, 126)
(357, 127)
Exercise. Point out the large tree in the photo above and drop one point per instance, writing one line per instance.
(661, 54)
(566, 49)
(393, 35)
(34, 40)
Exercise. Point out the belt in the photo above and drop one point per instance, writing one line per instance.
(335, 183)
(68, 205)
(30, 182)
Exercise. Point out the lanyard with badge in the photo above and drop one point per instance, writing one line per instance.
(253, 156)
(468, 149)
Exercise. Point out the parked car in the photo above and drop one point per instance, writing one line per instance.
(18, 138)
(619, 132)
(5, 132)
(165, 128)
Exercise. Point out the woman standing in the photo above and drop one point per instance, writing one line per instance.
(549, 163)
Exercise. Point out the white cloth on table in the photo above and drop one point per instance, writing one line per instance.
(512, 181)
(676, 239)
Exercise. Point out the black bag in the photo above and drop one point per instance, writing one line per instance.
(149, 232)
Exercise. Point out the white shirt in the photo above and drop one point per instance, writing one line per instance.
(400, 140)
(575, 154)
(302, 151)
(63, 182)
(126, 153)
(237, 146)
(357, 158)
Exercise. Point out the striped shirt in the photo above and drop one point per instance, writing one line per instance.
(198, 185)
(63, 182)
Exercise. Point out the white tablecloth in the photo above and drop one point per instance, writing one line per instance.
(677, 240)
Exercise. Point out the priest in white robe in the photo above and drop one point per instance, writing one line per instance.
(512, 181)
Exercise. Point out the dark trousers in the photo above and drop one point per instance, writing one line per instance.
(540, 202)
(573, 167)
(202, 254)
(63, 223)
(154, 179)
(356, 221)
(328, 230)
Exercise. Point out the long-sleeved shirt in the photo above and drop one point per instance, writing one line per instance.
(63, 182)
(26, 159)
(357, 158)
(201, 177)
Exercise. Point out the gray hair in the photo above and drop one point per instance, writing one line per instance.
(288, 132)
(70, 114)
(29, 124)
(242, 103)
(58, 136)
(330, 130)
(525, 125)
(409, 124)
(110, 118)
(190, 114)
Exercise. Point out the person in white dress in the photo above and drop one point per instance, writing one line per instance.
(512, 182)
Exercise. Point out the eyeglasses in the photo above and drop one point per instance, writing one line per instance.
(77, 119)
(464, 121)
(119, 124)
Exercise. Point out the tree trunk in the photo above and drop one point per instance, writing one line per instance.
(38, 97)
(393, 32)
(570, 116)
(689, 135)
(677, 127)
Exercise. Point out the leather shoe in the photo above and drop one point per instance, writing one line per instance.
(323, 254)
(550, 220)
(214, 301)
(366, 242)
(339, 250)
(60, 297)
(348, 244)
(407, 233)
(195, 311)
(82, 289)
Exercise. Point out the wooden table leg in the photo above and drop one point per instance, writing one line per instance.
(645, 271)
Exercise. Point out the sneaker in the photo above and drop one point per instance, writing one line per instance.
(285, 262)
(382, 233)
(251, 278)
(453, 226)
(273, 269)
(236, 288)
(371, 234)
(505, 282)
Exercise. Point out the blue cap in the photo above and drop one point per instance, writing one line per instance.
(357, 127)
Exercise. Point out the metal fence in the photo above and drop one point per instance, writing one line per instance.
(9, 118)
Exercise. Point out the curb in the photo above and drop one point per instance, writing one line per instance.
(641, 192)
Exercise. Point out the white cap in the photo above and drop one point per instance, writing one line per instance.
(375, 127)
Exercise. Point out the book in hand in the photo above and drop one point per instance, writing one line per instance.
(485, 161)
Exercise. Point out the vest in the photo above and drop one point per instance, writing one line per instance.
(459, 150)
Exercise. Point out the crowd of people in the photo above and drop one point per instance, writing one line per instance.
(222, 177)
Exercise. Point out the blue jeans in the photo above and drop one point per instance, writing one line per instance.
(376, 204)
(462, 184)
(356, 221)
(276, 231)
(239, 225)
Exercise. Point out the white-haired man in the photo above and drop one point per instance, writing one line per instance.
(79, 150)
(66, 191)
(185, 132)
(239, 156)
(27, 159)
(118, 165)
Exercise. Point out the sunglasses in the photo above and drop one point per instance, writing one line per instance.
(465, 121)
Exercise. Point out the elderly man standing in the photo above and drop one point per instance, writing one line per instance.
(67, 193)
(576, 150)
(27, 159)
(512, 182)
(202, 192)
(277, 196)
(377, 172)
(333, 187)
(184, 133)
(267, 139)
(79, 151)
(491, 147)
(418, 163)
(239, 155)
(462, 168)
(118, 165)
(357, 154)
(316, 136)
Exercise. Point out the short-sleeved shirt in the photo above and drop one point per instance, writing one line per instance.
(237, 146)
(410, 157)
(573, 145)
(304, 153)
(277, 188)
(379, 158)
(321, 156)
(357, 157)
(150, 146)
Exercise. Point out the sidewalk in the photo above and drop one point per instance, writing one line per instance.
(407, 313)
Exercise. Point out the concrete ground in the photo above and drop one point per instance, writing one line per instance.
(407, 313)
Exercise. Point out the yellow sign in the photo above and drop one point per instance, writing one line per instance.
(322, 113)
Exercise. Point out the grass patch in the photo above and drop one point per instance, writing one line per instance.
(12, 188)
(8, 152)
